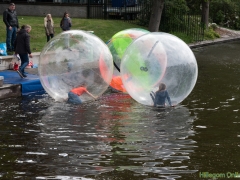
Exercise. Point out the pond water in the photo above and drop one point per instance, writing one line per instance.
(117, 138)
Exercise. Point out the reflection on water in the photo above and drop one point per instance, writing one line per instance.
(119, 135)
(114, 134)
(117, 138)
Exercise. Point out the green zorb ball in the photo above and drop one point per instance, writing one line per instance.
(118, 45)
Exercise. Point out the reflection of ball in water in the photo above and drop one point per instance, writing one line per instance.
(118, 45)
(155, 58)
(71, 59)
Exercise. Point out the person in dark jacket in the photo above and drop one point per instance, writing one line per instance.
(11, 21)
(160, 96)
(66, 22)
(22, 47)
(66, 25)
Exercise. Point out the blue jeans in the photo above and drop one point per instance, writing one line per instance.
(11, 37)
(24, 62)
(73, 98)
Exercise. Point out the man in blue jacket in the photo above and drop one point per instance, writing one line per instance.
(11, 21)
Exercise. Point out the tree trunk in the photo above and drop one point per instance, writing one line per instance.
(155, 18)
(205, 12)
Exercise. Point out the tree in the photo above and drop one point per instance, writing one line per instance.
(205, 13)
(155, 19)
(225, 13)
(196, 5)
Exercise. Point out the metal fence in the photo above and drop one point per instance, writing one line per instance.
(113, 9)
(138, 12)
(134, 11)
(181, 21)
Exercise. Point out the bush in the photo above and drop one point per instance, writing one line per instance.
(226, 13)
(187, 39)
(210, 34)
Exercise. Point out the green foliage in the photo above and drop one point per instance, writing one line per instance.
(219, 17)
(144, 17)
(180, 16)
(180, 5)
(177, 5)
(175, 17)
(210, 34)
(194, 6)
(187, 39)
(225, 13)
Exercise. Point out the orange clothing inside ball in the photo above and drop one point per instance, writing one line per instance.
(79, 90)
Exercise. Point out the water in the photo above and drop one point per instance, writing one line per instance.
(117, 138)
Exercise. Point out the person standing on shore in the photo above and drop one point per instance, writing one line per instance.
(22, 47)
(11, 21)
(66, 22)
(66, 25)
(49, 26)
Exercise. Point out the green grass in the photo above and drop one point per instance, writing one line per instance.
(104, 29)
(187, 39)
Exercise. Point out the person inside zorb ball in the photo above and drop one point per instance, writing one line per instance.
(159, 58)
(75, 62)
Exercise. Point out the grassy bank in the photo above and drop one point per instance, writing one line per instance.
(104, 29)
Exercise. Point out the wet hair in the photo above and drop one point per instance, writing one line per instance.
(162, 87)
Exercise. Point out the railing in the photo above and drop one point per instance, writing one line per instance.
(174, 20)
(114, 9)
(135, 11)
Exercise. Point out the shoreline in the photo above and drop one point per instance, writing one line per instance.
(14, 90)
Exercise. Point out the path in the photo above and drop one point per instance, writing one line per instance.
(224, 32)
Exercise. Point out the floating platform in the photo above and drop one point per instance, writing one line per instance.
(14, 85)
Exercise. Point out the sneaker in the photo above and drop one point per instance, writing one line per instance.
(20, 74)
(24, 75)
